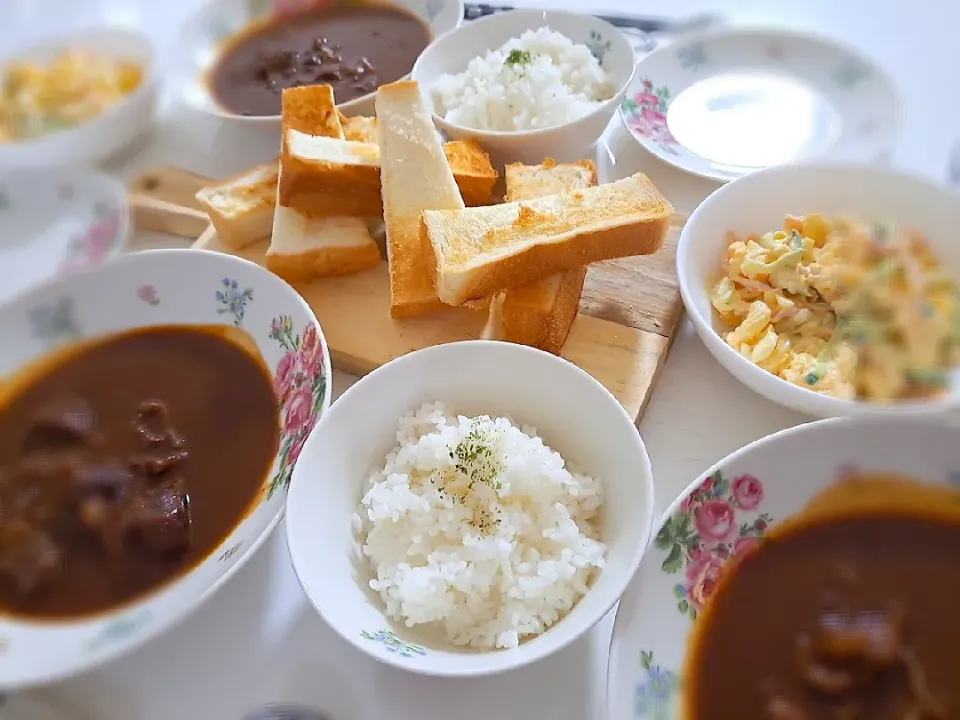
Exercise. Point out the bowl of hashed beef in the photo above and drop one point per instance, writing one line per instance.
(152, 410)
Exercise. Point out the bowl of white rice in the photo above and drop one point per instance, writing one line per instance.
(527, 84)
(469, 508)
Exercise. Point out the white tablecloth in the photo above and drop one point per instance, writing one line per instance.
(259, 640)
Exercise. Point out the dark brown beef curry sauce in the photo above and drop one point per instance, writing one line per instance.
(127, 464)
(352, 48)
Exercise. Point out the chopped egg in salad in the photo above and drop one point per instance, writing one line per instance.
(842, 309)
(76, 86)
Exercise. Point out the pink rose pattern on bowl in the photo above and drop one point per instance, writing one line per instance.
(716, 522)
(299, 382)
(645, 115)
(95, 244)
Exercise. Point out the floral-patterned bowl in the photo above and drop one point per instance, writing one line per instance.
(569, 141)
(724, 103)
(55, 222)
(205, 32)
(727, 510)
(583, 422)
(157, 288)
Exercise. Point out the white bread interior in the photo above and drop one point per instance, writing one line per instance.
(525, 182)
(241, 207)
(482, 250)
(416, 176)
(304, 247)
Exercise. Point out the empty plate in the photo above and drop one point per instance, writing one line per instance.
(57, 221)
(724, 103)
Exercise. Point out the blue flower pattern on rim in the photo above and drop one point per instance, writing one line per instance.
(433, 9)
(394, 644)
(692, 57)
(55, 322)
(119, 629)
(233, 301)
(850, 74)
(656, 691)
(598, 46)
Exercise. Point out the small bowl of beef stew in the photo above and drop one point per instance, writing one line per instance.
(237, 57)
(151, 414)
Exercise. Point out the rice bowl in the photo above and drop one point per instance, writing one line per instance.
(474, 378)
(538, 80)
(540, 128)
(475, 524)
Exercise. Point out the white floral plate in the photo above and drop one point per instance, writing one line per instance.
(156, 288)
(723, 103)
(728, 509)
(54, 222)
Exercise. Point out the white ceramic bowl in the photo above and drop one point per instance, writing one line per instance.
(205, 31)
(573, 413)
(107, 134)
(156, 288)
(451, 53)
(725, 512)
(757, 203)
(57, 221)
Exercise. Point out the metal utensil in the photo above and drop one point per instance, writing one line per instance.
(287, 711)
(953, 167)
(645, 33)
(646, 25)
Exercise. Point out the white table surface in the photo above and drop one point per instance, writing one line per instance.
(258, 640)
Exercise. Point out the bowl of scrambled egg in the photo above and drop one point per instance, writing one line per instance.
(77, 99)
(832, 289)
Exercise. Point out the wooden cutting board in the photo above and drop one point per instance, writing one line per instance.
(629, 311)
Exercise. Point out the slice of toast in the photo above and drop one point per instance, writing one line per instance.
(303, 246)
(360, 129)
(241, 207)
(482, 250)
(541, 313)
(470, 163)
(328, 176)
(526, 182)
(311, 110)
(473, 171)
(416, 177)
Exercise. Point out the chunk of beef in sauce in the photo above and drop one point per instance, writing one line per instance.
(68, 422)
(164, 450)
(65, 482)
(29, 559)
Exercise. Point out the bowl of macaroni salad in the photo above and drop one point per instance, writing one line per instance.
(830, 289)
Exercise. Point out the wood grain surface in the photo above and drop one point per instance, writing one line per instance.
(628, 313)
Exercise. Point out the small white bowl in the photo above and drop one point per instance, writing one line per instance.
(757, 203)
(162, 287)
(107, 134)
(214, 23)
(451, 53)
(573, 413)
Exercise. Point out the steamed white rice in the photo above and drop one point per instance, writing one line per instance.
(538, 80)
(492, 552)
